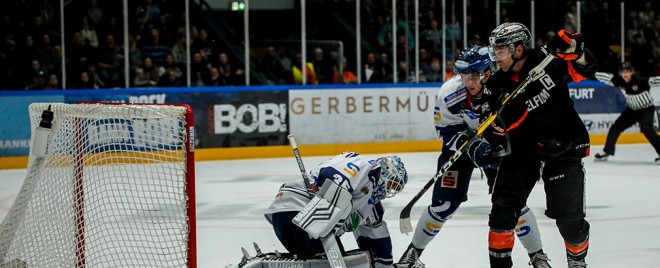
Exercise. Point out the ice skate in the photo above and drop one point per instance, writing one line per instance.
(657, 161)
(410, 258)
(576, 263)
(602, 156)
(539, 260)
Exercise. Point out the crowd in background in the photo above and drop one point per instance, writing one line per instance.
(31, 49)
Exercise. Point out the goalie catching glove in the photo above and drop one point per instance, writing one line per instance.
(566, 45)
(326, 212)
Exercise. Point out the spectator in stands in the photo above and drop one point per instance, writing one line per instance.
(641, 55)
(84, 82)
(146, 75)
(112, 27)
(454, 33)
(199, 71)
(384, 36)
(570, 19)
(203, 45)
(348, 77)
(95, 13)
(216, 78)
(110, 65)
(171, 65)
(155, 49)
(296, 70)
(89, 33)
(386, 68)
(449, 69)
(276, 72)
(179, 50)
(166, 29)
(169, 79)
(149, 9)
(323, 67)
(435, 74)
(371, 73)
(404, 74)
(424, 61)
(225, 70)
(48, 54)
(431, 38)
(38, 27)
(635, 29)
(134, 54)
(37, 76)
(646, 15)
(53, 82)
(78, 54)
(94, 76)
(26, 53)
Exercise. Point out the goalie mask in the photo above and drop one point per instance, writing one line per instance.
(393, 177)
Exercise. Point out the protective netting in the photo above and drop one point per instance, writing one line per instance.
(111, 191)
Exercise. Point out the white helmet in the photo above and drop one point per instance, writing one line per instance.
(393, 177)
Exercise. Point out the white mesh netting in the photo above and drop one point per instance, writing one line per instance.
(111, 192)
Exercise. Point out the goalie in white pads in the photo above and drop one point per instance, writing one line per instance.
(351, 188)
(460, 103)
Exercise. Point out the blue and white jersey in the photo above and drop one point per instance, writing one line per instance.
(455, 109)
(351, 171)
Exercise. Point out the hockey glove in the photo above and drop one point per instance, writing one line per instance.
(604, 77)
(483, 155)
(457, 140)
(566, 45)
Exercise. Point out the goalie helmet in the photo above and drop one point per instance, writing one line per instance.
(474, 59)
(510, 34)
(393, 177)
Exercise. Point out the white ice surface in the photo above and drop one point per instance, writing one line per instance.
(623, 198)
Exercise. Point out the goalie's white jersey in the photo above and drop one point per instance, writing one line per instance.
(351, 171)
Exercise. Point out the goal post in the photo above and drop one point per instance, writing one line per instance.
(108, 185)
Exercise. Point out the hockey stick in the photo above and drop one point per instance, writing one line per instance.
(329, 241)
(405, 226)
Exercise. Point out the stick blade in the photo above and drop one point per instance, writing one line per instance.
(405, 225)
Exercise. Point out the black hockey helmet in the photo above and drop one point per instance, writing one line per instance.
(625, 66)
(510, 34)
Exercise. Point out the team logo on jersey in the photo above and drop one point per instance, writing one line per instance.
(635, 87)
(449, 180)
(351, 169)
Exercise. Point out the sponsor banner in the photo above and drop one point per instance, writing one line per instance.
(597, 98)
(15, 130)
(601, 123)
(227, 118)
(362, 115)
(257, 118)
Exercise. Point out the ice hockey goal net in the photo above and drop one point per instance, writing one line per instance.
(115, 188)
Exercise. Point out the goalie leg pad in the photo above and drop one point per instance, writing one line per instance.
(326, 211)
(294, 239)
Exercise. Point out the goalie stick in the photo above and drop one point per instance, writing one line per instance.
(329, 241)
(405, 226)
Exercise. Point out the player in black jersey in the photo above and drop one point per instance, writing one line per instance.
(640, 108)
(547, 139)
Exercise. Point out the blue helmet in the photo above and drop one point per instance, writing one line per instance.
(474, 59)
